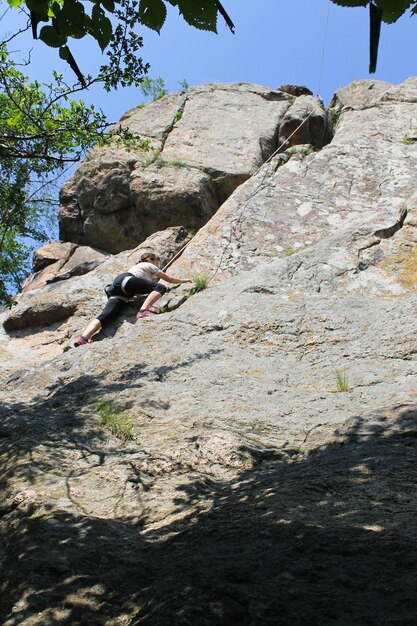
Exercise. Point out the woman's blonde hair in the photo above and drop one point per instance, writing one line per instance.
(149, 256)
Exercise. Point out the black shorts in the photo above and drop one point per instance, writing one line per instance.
(118, 295)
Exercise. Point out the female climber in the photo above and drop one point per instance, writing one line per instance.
(141, 279)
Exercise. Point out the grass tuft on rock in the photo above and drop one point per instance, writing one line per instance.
(342, 382)
(200, 283)
(119, 423)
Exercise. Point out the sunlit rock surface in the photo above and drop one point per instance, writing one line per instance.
(267, 470)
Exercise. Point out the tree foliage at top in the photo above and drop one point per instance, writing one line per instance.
(42, 124)
(27, 211)
(388, 11)
(42, 131)
(111, 24)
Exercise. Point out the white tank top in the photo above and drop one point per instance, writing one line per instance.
(149, 271)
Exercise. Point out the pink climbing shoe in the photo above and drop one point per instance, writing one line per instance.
(144, 313)
(82, 341)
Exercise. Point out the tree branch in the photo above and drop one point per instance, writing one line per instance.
(7, 151)
(19, 32)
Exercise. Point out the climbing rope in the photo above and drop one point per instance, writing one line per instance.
(233, 228)
(324, 47)
(238, 221)
(245, 205)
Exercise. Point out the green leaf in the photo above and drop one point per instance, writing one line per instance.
(73, 65)
(100, 27)
(55, 8)
(15, 4)
(225, 16)
(375, 16)
(351, 3)
(40, 7)
(108, 5)
(393, 9)
(51, 37)
(64, 53)
(152, 13)
(72, 20)
(35, 20)
(202, 14)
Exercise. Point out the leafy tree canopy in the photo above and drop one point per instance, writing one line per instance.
(111, 24)
(27, 212)
(42, 132)
(387, 11)
(41, 123)
(391, 10)
(43, 129)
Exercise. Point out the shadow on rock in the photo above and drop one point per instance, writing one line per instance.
(320, 538)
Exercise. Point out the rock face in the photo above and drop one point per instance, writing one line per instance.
(251, 452)
(52, 253)
(205, 143)
(59, 260)
(52, 307)
(356, 186)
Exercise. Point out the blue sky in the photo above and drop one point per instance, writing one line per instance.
(305, 42)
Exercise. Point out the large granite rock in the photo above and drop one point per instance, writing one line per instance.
(360, 93)
(305, 122)
(51, 253)
(117, 199)
(271, 465)
(59, 260)
(362, 181)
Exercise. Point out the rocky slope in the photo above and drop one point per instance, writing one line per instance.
(271, 471)
(204, 143)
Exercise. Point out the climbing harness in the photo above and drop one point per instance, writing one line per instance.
(117, 288)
